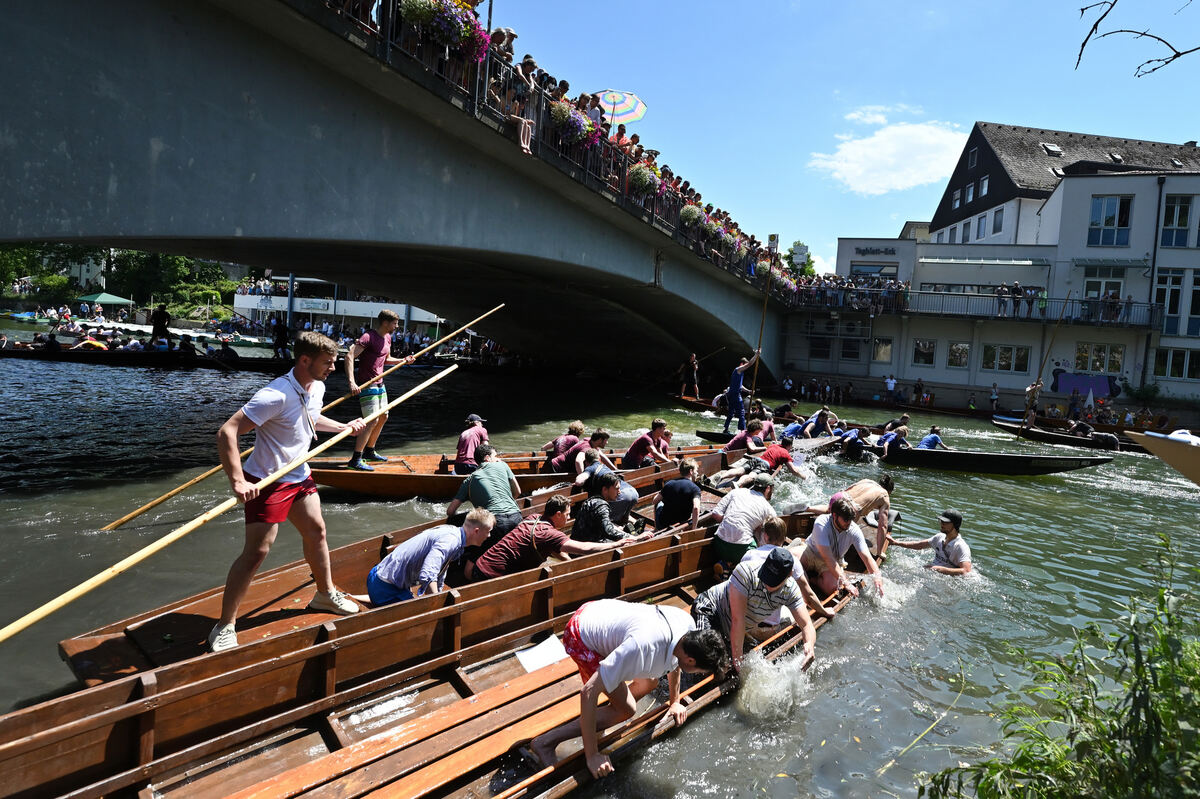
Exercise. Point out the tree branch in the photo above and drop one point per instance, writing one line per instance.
(1148, 66)
(1108, 5)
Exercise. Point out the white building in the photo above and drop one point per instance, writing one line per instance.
(1081, 217)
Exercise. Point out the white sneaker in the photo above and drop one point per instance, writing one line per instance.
(222, 637)
(334, 602)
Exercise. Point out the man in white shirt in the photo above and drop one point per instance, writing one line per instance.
(285, 416)
(951, 555)
(832, 537)
(742, 513)
(622, 649)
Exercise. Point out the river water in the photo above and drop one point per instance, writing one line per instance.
(86, 445)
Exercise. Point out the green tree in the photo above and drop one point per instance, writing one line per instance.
(806, 268)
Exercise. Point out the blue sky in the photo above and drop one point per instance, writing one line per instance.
(820, 120)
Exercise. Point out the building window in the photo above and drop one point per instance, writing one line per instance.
(954, 235)
(958, 355)
(966, 232)
(970, 192)
(998, 221)
(1109, 225)
(1175, 220)
(850, 349)
(1193, 328)
(881, 350)
(981, 227)
(956, 200)
(983, 186)
(1099, 358)
(972, 157)
(1168, 292)
(1004, 358)
(1183, 364)
(818, 348)
(923, 351)
(941, 234)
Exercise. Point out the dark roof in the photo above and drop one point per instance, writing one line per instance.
(1031, 167)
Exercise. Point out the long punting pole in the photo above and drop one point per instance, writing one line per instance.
(180, 489)
(1042, 365)
(62, 600)
(762, 324)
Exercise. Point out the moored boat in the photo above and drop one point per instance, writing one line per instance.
(1014, 427)
(959, 460)
(149, 359)
(1182, 456)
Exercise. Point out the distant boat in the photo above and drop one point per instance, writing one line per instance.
(1179, 455)
(959, 460)
(1014, 427)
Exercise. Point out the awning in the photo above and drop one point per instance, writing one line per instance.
(104, 298)
(1123, 263)
(1039, 262)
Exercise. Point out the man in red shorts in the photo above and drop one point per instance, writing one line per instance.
(285, 416)
(621, 649)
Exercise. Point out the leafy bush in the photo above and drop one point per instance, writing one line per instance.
(418, 12)
(642, 179)
(1144, 394)
(689, 215)
(1120, 723)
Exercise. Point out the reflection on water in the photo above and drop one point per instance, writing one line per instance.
(1053, 553)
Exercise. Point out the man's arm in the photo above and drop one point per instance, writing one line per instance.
(589, 695)
(872, 567)
(430, 576)
(737, 624)
(326, 425)
(582, 478)
(573, 547)
(453, 506)
(965, 568)
(514, 485)
(674, 707)
(354, 351)
(695, 511)
(922, 544)
(807, 629)
(227, 451)
(810, 597)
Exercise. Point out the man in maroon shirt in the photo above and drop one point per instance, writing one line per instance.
(644, 451)
(374, 351)
(572, 459)
(528, 544)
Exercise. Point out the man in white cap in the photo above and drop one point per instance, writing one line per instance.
(951, 555)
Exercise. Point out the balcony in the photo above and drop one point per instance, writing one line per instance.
(1088, 311)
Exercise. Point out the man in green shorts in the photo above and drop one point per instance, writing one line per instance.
(374, 351)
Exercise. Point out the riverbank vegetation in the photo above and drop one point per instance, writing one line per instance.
(57, 274)
(1117, 716)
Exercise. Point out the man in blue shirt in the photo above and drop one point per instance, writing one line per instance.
(933, 440)
(733, 395)
(424, 559)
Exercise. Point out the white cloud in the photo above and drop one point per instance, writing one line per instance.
(877, 114)
(822, 265)
(894, 158)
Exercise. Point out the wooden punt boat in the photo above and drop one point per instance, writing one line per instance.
(153, 360)
(425, 696)
(432, 476)
(1164, 423)
(276, 603)
(1014, 427)
(959, 460)
(1179, 455)
(693, 403)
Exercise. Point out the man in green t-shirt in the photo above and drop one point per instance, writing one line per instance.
(491, 486)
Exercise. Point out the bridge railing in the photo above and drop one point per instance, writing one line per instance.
(1085, 311)
(491, 88)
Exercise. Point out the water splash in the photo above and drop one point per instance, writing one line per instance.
(772, 690)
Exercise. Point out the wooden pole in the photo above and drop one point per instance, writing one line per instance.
(244, 453)
(762, 324)
(1041, 366)
(62, 600)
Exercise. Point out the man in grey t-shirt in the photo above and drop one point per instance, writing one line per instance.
(951, 555)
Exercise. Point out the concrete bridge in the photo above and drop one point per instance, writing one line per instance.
(257, 131)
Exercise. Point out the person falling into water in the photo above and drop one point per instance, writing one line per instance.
(951, 555)
(285, 416)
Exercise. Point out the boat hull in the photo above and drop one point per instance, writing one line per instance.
(1179, 455)
(1014, 427)
(1017, 464)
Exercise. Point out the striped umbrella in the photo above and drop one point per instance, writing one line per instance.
(621, 108)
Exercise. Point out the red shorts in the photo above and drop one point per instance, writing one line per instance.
(587, 660)
(274, 503)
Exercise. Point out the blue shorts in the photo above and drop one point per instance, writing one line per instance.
(384, 593)
(372, 399)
